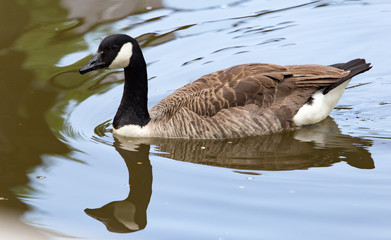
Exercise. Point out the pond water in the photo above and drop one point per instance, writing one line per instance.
(63, 175)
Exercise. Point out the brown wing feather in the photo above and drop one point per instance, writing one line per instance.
(316, 76)
(284, 89)
(213, 82)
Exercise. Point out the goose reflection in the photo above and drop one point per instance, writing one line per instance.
(319, 145)
(129, 215)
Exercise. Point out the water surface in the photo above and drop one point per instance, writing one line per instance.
(64, 175)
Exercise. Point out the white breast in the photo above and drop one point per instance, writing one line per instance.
(320, 107)
(133, 131)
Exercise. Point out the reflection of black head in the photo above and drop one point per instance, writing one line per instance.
(129, 215)
(117, 216)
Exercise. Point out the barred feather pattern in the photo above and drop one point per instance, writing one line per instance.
(244, 100)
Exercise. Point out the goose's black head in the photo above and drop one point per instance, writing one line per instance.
(114, 51)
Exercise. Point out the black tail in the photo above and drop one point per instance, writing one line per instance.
(355, 67)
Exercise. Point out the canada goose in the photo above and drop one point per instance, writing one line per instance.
(244, 100)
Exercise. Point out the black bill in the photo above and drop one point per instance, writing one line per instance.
(95, 63)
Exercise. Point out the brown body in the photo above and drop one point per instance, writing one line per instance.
(244, 100)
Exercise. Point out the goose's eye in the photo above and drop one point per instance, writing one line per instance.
(114, 47)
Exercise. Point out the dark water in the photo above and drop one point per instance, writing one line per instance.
(63, 175)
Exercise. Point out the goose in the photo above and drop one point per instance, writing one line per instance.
(241, 101)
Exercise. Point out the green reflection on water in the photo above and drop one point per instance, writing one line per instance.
(27, 58)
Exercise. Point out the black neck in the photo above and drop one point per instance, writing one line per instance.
(133, 108)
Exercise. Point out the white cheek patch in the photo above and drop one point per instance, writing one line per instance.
(122, 59)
